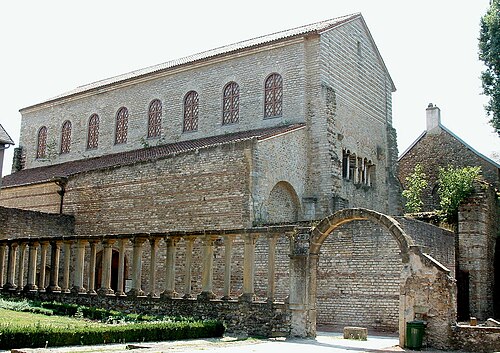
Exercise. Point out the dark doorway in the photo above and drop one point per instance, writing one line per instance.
(463, 313)
(114, 270)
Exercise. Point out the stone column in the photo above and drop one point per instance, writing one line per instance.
(248, 267)
(54, 267)
(271, 267)
(67, 262)
(208, 264)
(2, 265)
(32, 257)
(43, 265)
(170, 268)
(187, 271)
(120, 291)
(79, 267)
(228, 251)
(107, 256)
(20, 266)
(298, 295)
(92, 267)
(152, 267)
(11, 267)
(136, 289)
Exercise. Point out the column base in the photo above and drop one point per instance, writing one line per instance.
(136, 293)
(30, 288)
(169, 294)
(246, 297)
(120, 294)
(92, 292)
(53, 289)
(226, 298)
(9, 287)
(187, 296)
(106, 291)
(205, 296)
(78, 290)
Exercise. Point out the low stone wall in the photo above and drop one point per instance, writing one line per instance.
(251, 318)
(476, 338)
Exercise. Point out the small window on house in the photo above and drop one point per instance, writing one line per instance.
(231, 103)
(190, 112)
(352, 167)
(93, 132)
(345, 164)
(121, 126)
(66, 137)
(41, 150)
(154, 120)
(273, 96)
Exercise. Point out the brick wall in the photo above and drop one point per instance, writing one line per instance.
(17, 223)
(36, 197)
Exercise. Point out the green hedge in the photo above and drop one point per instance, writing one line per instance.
(12, 336)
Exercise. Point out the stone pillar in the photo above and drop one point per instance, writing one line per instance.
(152, 267)
(120, 291)
(298, 296)
(92, 267)
(170, 268)
(187, 271)
(228, 251)
(2, 265)
(248, 267)
(207, 273)
(54, 267)
(32, 257)
(67, 262)
(79, 267)
(11, 267)
(107, 256)
(20, 266)
(43, 265)
(271, 268)
(137, 267)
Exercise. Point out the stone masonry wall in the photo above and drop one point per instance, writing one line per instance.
(37, 197)
(207, 189)
(208, 78)
(15, 223)
(439, 150)
(359, 277)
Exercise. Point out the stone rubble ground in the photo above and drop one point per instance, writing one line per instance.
(331, 342)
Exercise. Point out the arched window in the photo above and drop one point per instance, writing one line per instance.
(93, 133)
(190, 111)
(231, 103)
(154, 121)
(66, 137)
(273, 105)
(41, 150)
(121, 126)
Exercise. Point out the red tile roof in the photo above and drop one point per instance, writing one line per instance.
(47, 173)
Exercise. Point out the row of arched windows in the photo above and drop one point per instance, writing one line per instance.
(230, 114)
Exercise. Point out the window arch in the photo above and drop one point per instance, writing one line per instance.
(154, 120)
(66, 137)
(191, 111)
(121, 126)
(231, 103)
(93, 132)
(273, 105)
(41, 150)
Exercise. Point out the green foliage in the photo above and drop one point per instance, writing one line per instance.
(454, 186)
(415, 184)
(489, 53)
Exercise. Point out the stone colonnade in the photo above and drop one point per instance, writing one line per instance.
(72, 255)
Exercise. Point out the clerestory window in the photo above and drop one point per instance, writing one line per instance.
(273, 96)
(191, 109)
(121, 126)
(41, 150)
(231, 103)
(154, 118)
(66, 137)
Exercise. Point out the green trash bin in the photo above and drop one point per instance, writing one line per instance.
(414, 334)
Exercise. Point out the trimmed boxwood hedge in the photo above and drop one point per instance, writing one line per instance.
(12, 336)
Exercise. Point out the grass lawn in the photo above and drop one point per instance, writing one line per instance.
(30, 319)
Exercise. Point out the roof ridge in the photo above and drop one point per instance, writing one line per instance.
(5, 137)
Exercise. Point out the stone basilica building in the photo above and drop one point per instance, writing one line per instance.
(255, 178)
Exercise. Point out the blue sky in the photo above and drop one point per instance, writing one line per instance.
(429, 47)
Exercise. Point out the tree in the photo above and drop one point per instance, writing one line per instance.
(489, 53)
(416, 182)
(454, 186)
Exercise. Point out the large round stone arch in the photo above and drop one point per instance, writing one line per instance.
(420, 271)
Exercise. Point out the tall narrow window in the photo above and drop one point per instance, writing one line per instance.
(273, 105)
(66, 137)
(231, 103)
(93, 134)
(190, 111)
(41, 150)
(121, 126)
(154, 121)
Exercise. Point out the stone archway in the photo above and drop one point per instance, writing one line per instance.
(426, 288)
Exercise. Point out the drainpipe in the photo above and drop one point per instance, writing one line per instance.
(61, 182)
